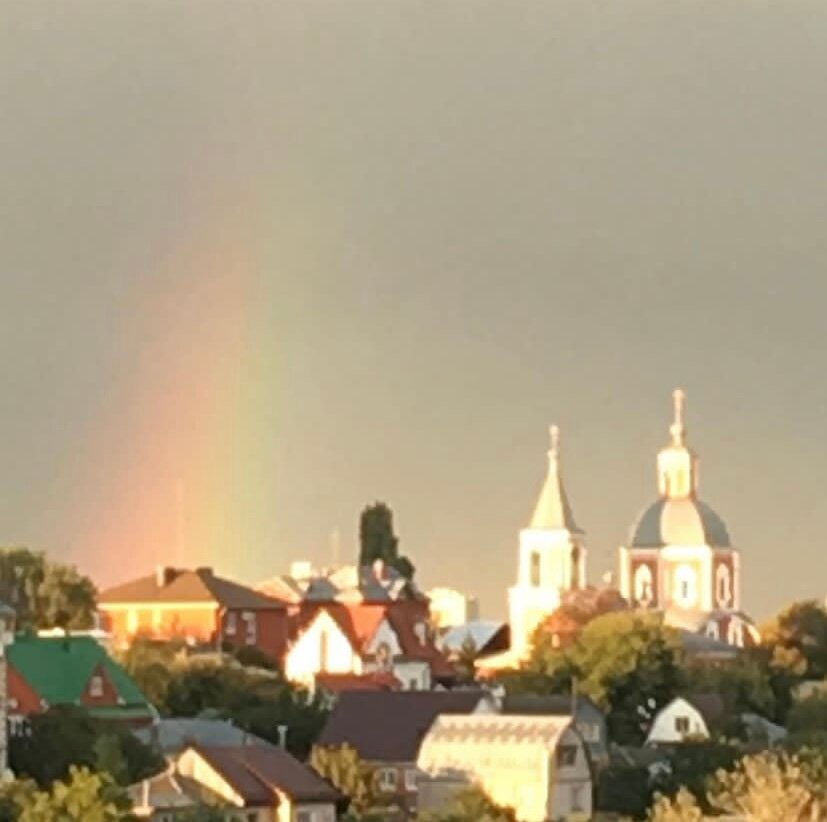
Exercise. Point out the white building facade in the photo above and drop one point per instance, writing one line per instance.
(536, 765)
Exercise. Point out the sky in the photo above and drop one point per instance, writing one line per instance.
(262, 264)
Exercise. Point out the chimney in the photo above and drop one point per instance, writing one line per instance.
(163, 575)
(282, 729)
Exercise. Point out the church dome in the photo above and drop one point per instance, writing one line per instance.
(684, 521)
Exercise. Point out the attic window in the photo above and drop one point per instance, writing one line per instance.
(96, 687)
(682, 724)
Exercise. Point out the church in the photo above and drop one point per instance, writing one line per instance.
(679, 559)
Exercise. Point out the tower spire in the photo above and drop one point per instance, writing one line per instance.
(678, 429)
(553, 511)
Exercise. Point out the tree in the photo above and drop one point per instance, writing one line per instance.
(66, 736)
(85, 796)
(45, 594)
(682, 808)
(471, 804)
(377, 540)
(769, 786)
(346, 770)
(152, 665)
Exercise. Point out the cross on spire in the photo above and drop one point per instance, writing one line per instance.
(677, 429)
(554, 435)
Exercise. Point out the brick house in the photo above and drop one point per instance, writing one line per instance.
(44, 672)
(387, 728)
(196, 606)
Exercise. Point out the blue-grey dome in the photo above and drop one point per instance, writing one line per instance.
(685, 521)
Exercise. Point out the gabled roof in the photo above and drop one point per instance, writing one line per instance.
(545, 705)
(59, 670)
(480, 632)
(540, 731)
(258, 773)
(173, 735)
(179, 585)
(709, 705)
(389, 726)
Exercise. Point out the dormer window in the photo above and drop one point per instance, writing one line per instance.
(96, 687)
(230, 624)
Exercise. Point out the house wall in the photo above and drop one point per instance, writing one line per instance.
(414, 675)
(305, 811)
(192, 765)
(569, 786)
(514, 772)
(304, 660)
(264, 629)
(664, 729)
(169, 620)
(23, 700)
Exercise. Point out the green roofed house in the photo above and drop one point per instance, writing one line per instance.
(71, 670)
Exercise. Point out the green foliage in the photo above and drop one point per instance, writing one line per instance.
(377, 540)
(249, 656)
(624, 790)
(66, 736)
(798, 639)
(808, 715)
(628, 663)
(692, 764)
(682, 808)
(346, 770)
(771, 786)
(152, 665)
(257, 701)
(469, 805)
(743, 683)
(84, 796)
(45, 594)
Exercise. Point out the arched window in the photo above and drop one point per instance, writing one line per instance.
(685, 587)
(723, 586)
(643, 585)
(535, 569)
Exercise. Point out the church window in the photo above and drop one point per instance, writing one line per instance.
(685, 591)
(724, 592)
(535, 569)
(643, 585)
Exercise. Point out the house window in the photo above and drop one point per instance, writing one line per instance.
(96, 687)
(682, 724)
(387, 780)
(249, 619)
(411, 780)
(576, 798)
(421, 632)
(535, 569)
(230, 624)
(132, 621)
(566, 756)
(413, 684)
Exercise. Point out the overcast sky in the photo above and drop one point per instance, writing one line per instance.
(264, 263)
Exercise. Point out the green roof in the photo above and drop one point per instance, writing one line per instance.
(59, 669)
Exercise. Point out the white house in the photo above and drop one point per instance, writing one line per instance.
(365, 639)
(536, 765)
(684, 717)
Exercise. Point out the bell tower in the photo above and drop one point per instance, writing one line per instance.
(552, 556)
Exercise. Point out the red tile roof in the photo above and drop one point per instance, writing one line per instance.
(180, 585)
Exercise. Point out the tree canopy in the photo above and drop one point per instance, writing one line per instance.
(471, 804)
(377, 540)
(66, 736)
(45, 594)
(346, 770)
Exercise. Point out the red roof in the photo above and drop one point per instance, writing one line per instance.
(339, 683)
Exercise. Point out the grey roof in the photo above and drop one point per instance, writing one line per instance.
(545, 705)
(686, 521)
(702, 645)
(389, 726)
(480, 632)
(173, 735)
